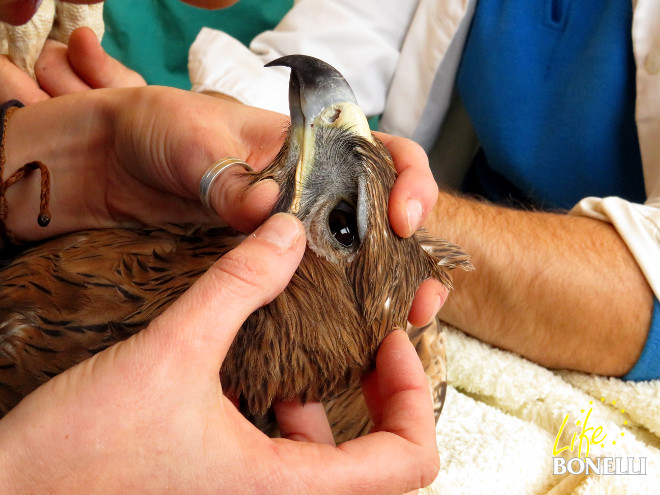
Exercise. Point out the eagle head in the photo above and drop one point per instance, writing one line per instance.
(357, 278)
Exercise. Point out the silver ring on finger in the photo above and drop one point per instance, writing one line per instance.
(213, 172)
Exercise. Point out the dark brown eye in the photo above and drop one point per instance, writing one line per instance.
(342, 223)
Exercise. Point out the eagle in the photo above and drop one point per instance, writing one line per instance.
(67, 298)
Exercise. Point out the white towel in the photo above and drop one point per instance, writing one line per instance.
(503, 413)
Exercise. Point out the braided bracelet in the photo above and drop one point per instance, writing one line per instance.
(6, 111)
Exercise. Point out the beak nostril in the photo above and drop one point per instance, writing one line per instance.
(331, 114)
(332, 118)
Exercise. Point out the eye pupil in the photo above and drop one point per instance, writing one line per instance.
(343, 224)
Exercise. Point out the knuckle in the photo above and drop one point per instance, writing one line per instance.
(240, 273)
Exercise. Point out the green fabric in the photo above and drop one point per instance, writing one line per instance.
(153, 36)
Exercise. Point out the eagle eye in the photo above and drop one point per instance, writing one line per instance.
(342, 223)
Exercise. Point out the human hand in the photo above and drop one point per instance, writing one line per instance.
(84, 65)
(121, 157)
(150, 412)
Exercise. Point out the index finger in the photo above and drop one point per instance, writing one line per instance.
(55, 74)
(415, 191)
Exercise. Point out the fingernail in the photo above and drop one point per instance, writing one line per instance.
(414, 212)
(281, 230)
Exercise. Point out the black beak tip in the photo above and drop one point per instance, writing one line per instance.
(316, 82)
(303, 63)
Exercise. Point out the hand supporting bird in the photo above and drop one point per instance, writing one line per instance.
(342, 164)
(346, 177)
(122, 157)
(150, 412)
(83, 64)
(169, 137)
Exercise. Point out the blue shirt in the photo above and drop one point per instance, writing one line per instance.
(550, 89)
(648, 363)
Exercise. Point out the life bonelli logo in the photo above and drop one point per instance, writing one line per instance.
(585, 444)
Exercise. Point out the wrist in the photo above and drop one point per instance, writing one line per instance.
(62, 133)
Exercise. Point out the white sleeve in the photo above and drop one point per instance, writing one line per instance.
(360, 38)
(639, 227)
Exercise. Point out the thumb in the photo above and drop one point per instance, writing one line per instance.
(201, 325)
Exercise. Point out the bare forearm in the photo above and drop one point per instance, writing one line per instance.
(561, 290)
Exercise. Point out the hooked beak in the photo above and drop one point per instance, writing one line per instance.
(319, 97)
